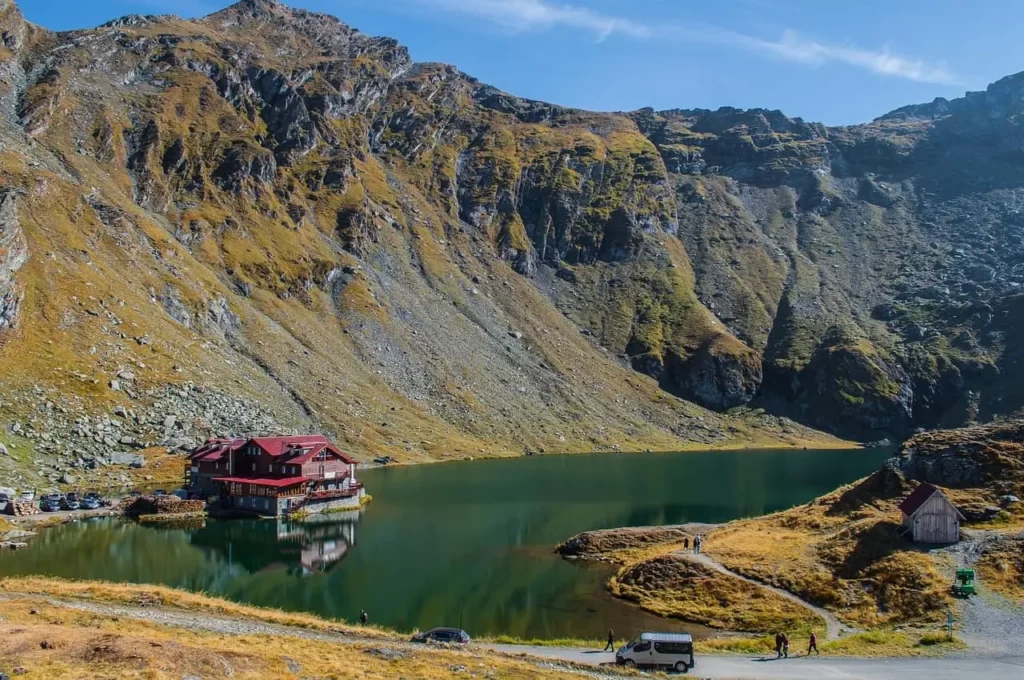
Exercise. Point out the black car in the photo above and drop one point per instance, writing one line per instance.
(443, 635)
(70, 502)
(90, 503)
(50, 503)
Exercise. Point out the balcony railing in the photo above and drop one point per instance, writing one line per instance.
(328, 494)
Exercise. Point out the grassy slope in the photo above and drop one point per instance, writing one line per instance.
(51, 641)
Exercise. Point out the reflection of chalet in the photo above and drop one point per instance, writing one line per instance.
(275, 475)
(313, 544)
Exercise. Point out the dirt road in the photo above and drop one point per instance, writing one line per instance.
(708, 666)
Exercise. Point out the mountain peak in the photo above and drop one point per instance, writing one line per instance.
(255, 8)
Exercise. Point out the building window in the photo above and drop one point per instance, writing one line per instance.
(254, 467)
(271, 467)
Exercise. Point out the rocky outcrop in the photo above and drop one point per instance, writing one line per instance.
(848, 383)
(720, 375)
(989, 457)
(13, 255)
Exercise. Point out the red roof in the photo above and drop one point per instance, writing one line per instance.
(264, 481)
(919, 497)
(215, 449)
(277, 446)
(299, 449)
(295, 449)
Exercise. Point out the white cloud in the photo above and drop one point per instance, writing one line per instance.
(793, 47)
(537, 15)
(532, 15)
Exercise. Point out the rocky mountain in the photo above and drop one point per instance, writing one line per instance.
(269, 214)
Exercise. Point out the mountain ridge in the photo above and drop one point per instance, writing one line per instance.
(329, 235)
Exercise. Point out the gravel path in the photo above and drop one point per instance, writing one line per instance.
(988, 622)
(835, 628)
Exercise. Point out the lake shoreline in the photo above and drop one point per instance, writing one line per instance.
(491, 528)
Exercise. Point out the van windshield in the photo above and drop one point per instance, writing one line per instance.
(632, 643)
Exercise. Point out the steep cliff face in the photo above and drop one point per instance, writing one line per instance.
(270, 203)
(265, 219)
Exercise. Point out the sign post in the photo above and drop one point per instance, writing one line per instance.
(949, 622)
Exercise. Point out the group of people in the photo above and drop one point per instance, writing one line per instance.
(782, 646)
(698, 542)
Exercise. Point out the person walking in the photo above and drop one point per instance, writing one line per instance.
(697, 541)
(686, 543)
(778, 645)
(785, 646)
(611, 641)
(813, 646)
(363, 617)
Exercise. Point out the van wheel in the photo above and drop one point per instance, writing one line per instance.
(681, 667)
(629, 663)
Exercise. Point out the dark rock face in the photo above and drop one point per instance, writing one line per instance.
(715, 378)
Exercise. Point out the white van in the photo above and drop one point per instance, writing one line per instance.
(658, 650)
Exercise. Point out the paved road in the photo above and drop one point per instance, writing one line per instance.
(814, 668)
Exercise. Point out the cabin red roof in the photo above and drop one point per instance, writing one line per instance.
(917, 498)
(264, 481)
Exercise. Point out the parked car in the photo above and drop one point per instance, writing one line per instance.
(70, 502)
(446, 635)
(90, 502)
(4, 498)
(159, 492)
(50, 503)
(658, 650)
(27, 496)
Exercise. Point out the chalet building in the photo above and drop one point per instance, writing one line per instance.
(275, 475)
(207, 463)
(929, 517)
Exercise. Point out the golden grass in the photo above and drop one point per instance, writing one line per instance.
(101, 591)
(839, 553)
(1001, 569)
(55, 642)
(673, 586)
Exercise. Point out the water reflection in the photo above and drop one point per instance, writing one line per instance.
(313, 545)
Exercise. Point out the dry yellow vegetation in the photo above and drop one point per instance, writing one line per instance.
(674, 586)
(1001, 568)
(841, 552)
(47, 640)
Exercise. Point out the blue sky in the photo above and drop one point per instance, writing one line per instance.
(824, 61)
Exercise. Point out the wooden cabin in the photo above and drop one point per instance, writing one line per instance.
(929, 517)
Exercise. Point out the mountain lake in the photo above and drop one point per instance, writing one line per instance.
(465, 544)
